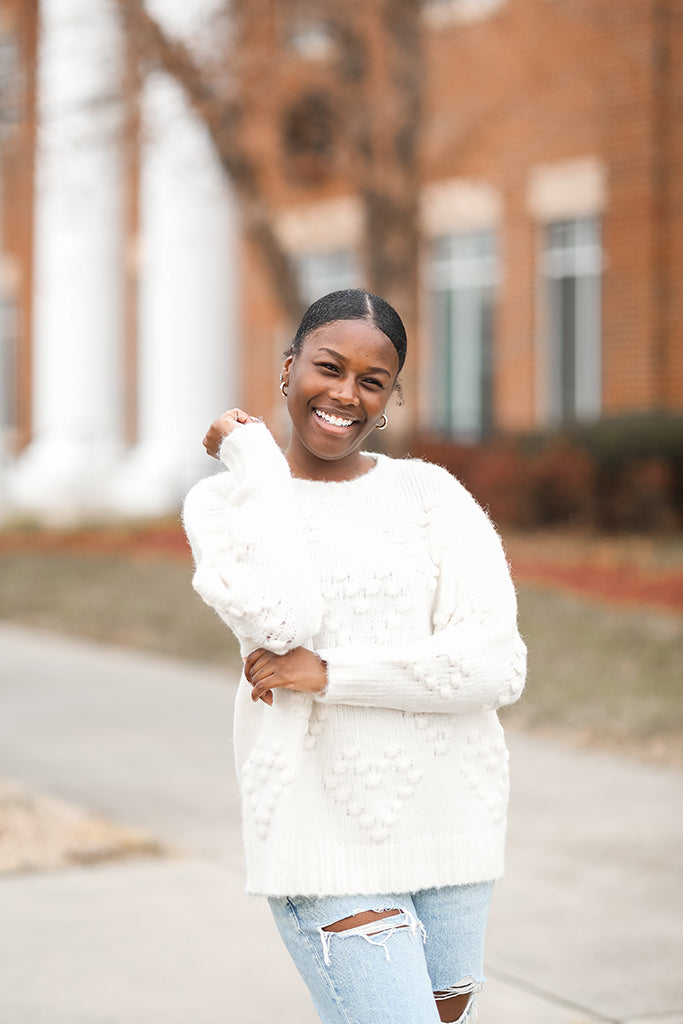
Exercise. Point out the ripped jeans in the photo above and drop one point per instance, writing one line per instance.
(387, 971)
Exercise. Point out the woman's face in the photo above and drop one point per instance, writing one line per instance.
(338, 387)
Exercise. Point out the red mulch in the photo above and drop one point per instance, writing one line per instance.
(618, 584)
(144, 542)
(622, 584)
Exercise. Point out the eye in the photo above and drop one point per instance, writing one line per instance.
(328, 366)
(374, 383)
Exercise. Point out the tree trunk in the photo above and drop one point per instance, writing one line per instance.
(378, 95)
(385, 81)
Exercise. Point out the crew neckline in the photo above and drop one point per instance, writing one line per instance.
(354, 482)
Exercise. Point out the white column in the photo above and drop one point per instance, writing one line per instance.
(78, 264)
(187, 337)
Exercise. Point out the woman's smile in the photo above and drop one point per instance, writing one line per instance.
(338, 386)
(335, 420)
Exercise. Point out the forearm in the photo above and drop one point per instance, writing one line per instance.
(458, 670)
(245, 537)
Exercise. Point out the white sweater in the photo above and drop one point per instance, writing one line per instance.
(395, 778)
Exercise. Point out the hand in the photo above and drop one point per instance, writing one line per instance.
(223, 426)
(299, 669)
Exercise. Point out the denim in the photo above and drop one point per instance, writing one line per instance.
(386, 972)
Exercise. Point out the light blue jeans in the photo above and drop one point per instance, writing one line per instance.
(386, 972)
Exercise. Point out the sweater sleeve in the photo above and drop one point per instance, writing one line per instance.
(475, 658)
(252, 565)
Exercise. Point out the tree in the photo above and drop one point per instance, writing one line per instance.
(363, 101)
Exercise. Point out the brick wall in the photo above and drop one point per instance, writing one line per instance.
(672, 241)
(536, 83)
(18, 24)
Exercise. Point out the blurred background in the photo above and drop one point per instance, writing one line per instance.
(178, 180)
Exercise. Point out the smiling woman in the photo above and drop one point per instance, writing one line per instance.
(337, 388)
(377, 623)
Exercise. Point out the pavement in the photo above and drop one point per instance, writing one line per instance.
(586, 926)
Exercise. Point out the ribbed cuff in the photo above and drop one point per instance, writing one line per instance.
(353, 679)
(251, 448)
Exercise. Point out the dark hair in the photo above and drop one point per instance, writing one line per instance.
(353, 304)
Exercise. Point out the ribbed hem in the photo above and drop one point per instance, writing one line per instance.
(414, 863)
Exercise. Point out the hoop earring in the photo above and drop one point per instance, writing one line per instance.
(283, 386)
(384, 425)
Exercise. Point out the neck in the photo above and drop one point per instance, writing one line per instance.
(334, 471)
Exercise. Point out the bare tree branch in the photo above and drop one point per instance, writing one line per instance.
(221, 116)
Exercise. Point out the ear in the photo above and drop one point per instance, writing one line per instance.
(287, 364)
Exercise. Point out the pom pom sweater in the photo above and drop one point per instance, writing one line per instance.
(395, 778)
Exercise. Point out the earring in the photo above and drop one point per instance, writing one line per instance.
(283, 386)
(383, 426)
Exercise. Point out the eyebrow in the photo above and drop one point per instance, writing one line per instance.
(340, 357)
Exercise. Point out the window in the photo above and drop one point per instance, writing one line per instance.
(11, 85)
(323, 272)
(311, 40)
(306, 31)
(571, 269)
(308, 134)
(464, 276)
(446, 12)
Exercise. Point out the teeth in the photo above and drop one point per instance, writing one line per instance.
(336, 421)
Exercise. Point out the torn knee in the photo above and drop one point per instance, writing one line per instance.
(457, 1003)
(465, 987)
(361, 917)
(364, 924)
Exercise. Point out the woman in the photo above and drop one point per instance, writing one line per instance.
(377, 620)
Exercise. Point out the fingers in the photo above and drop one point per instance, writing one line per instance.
(299, 669)
(223, 426)
(258, 668)
(262, 691)
(258, 665)
(240, 416)
(211, 444)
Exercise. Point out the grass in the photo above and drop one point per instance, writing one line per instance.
(607, 676)
(143, 603)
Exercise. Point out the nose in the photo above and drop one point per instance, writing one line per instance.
(344, 390)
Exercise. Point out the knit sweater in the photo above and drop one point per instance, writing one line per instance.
(395, 777)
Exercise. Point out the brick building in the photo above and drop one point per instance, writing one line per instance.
(551, 199)
(550, 191)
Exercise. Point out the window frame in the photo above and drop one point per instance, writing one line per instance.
(570, 293)
(463, 287)
(346, 273)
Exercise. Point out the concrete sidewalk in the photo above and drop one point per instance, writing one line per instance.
(586, 926)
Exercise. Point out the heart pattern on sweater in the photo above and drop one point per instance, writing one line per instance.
(372, 788)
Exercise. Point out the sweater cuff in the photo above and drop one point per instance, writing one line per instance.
(352, 678)
(251, 447)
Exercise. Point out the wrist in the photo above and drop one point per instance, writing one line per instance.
(325, 681)
(248, 445)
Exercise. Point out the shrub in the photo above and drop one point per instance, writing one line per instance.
(496, 474)
(617, 474)
(562, 481)
(642, 498)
